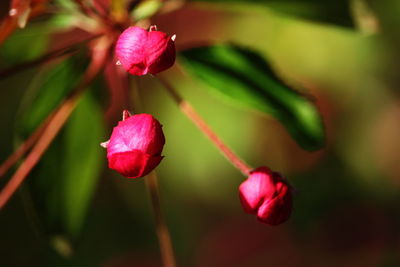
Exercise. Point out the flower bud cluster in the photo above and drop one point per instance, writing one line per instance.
(136, 143)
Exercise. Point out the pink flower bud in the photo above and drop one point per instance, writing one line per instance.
(135, 145)
(140, 51)
(268, 195)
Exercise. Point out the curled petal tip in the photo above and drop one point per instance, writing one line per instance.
(105, 144)
(125, 114)
(23, 18)
(12, 12)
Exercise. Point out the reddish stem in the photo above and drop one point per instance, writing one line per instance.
(52, 129)
(27, 144)
(47, 57)
(191, 113)
(164, 239)
(23, 148)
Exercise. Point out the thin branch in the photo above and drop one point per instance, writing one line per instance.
(23, 148)
(54, 126)
(191, 113)
(27, 144)
(164, 239)
(85, 9)
(47, 57)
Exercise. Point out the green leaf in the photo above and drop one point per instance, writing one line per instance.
(244, 77)
(146, 9)
(47, 91)
(327, 11)
(16, 49)
(81, 163)
(64, 181)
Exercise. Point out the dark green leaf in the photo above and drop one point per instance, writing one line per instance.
(244, 77)
(25, 44)
(81, 163)
(63, 183)
(328, 11)
(47, 91)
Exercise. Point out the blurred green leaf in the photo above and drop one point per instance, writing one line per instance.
(47, 91)
(63, 183)
(16, 49)
(70, 16)
(68, 5)
(82, 158)
(244, 77)
(328, 11)
(63, 21)
(146, 9)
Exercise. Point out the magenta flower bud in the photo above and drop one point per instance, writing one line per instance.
(140, 51)
(135, 145)
(268, 195)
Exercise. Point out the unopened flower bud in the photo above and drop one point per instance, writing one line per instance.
(135, 145)
(268, 195)
(143, 51)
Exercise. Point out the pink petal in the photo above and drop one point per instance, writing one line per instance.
(141, 51)
(258, 187)
(277, 210)
(131, 50)
(133, 164)
(141, 131)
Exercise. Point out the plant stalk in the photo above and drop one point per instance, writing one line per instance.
(53, 127)
(191, 113)
(164, 239)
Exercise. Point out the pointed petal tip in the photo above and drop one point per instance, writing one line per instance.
(126, 114)
(105, 144)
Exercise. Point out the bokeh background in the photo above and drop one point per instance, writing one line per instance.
(344, 54)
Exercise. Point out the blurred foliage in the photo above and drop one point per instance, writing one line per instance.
(328, 11)
(14, 49)
(244, 77)
(73, 211)
(47, 91)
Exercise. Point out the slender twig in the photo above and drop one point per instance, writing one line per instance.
(23, 148)
(52, 129)
(191, 113)
(87, 10)
(27, 144)
(47, 57)
(164, 239)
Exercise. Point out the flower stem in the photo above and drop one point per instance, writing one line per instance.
(64, 51)
(23, 148)
(164, 239)
(52, 128)
(191, 113)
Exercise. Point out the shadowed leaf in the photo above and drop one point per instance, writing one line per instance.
(245, 78)
(82, 158)
(329, 11)
(48, 89)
